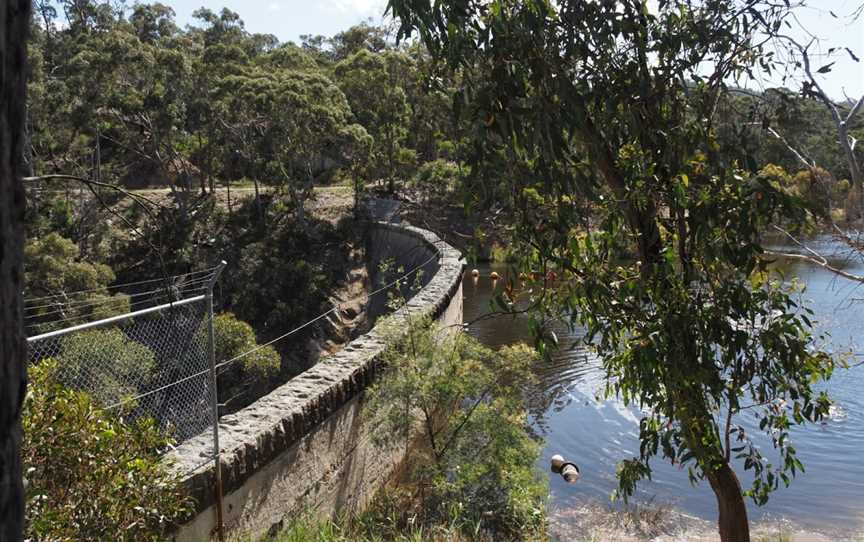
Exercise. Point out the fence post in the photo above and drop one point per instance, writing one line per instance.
(214, 400)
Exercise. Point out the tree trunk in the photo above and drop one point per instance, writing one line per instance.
(14, 24)
(258, 200)
(228, 188)
(732, 523)
(697, 421)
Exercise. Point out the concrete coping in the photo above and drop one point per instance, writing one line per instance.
(257, 434)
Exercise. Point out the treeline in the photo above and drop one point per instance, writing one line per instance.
(124, 96)
(128, 95)
(780, 130)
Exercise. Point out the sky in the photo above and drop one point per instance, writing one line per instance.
(289, 19)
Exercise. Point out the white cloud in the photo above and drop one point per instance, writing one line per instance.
(357, 7)
(274, 6)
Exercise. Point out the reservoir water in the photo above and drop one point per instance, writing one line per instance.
(828, 498)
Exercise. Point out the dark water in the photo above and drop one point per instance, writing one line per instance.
(827, 498)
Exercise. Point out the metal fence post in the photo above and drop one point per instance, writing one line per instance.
(214, 401)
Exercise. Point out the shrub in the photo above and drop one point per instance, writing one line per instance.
(104, 362)
(386, 518)
(445, 148)
(476, 458)
(90, 475)
(405, 162)
(232, 338)
(52, 267)
(436, 178)
(816, 187)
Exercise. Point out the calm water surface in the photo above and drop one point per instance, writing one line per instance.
(828, 497)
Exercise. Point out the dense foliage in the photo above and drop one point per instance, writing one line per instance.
(234, 338)
(104, 362)
(90, 475)
(607, 105)
(124, 93)
(474, 466)
(590, 133)
(53, 270)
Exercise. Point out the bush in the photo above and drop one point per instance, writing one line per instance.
(90, 475)
(52, 267)
(104, 362)
(475, 464)
(405, 162)
(232, 338)
(386, 518)
(436, 178)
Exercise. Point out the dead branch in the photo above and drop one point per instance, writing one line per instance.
(812, 257)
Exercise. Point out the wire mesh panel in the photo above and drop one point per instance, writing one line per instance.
(151, 363)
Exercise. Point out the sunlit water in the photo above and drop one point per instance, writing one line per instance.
(827, 498)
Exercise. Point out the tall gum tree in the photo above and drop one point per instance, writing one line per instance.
(610, 105)
(14, 25)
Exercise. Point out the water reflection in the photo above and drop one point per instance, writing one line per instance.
(566, 412)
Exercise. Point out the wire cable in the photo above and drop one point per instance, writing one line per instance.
(335, 308)
(82, 318)
(116, 286)
(61, 306)
(366, 296)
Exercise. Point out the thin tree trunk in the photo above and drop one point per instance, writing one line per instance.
(30, 167)
(14, 25)
(258, 200)
(98, 154)
(732, 522)
(228, 188)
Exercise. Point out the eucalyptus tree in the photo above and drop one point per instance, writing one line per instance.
(153, 22)
(295, 126)
(361, 37)
(611, 105)
(372, 85)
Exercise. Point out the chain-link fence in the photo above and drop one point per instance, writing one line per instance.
(147, 349)
(154, 362)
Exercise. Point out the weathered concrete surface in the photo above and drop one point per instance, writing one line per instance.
(304, 447)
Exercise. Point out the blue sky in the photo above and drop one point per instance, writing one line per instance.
(288, 19)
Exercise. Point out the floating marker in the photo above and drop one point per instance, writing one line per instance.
(568, 471)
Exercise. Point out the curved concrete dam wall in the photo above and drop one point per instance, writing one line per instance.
(304, 447)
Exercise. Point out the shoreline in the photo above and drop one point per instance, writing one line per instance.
(591, 520)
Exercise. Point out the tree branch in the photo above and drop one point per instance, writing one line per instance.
(821, 262)
(139, 199)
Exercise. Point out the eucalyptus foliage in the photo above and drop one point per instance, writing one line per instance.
(606, 112)
(90, 475)
(63, 290)
(258, 364)
(462, 401)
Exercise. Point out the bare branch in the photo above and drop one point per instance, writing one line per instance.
(815, 261)
(139, 199)
(814, 257)
(846, 142)
(810, 164)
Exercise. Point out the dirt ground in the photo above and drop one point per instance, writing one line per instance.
(598, 522)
